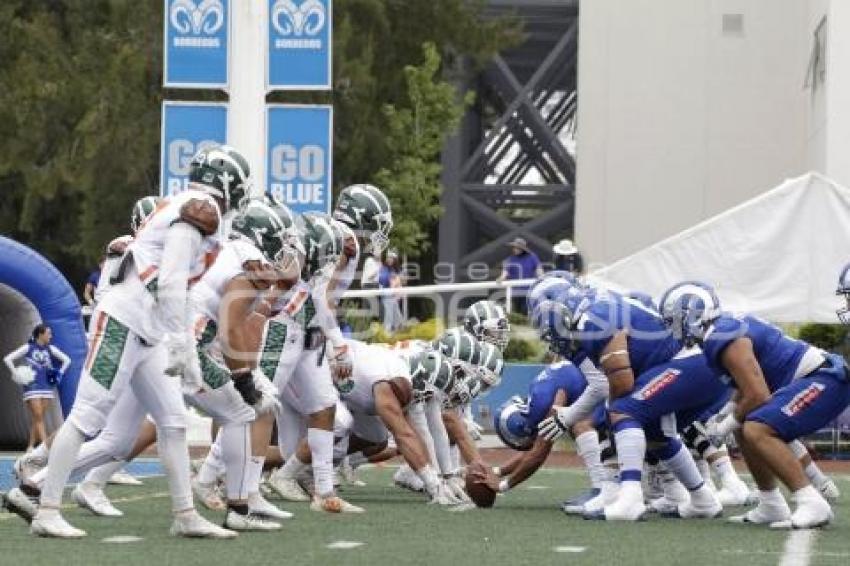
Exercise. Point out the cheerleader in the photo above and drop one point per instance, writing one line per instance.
(39, 377)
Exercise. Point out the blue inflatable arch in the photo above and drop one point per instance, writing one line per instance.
(33, 290)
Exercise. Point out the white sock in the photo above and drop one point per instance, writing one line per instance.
(773, 496)
(808, 492)
(814, 474)
(174, 454)
(455, 456)
(682, 465)
(63, 454)
(631, 450)
(798, 448)
(101, 474)
(725, 470)
(292, 468)
(340, 450)
(213, 465)
(703, 468)
(236, 451)
(587, 445)
(322, 448)
(255, 473)
(357, 459)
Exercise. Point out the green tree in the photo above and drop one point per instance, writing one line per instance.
(415, 135)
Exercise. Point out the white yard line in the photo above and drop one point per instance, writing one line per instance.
(798, 548)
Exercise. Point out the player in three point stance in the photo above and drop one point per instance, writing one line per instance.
(140, 335)
(785, 389)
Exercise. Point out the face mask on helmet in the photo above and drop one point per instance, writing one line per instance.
(688, 309)
(843, 289)
(554, 326)
(143, 208)
(488, 322)
(511, 425)
(290, 261)
(223, 173)
(366, 210)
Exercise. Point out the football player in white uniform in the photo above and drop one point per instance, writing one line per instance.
(140, 338)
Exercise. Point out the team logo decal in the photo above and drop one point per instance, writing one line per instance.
(803, 399)
(196, 22)
(657, 384)
(290, 19)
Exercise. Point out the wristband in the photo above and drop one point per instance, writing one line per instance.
(610, 355)
(504, 485)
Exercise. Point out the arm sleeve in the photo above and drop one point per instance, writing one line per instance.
(325, 316)
(442, 449)
(181, 245)
(62, 356)
(13, 357)
(595, 392)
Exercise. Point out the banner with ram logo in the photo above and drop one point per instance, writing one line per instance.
(299, 45)
(197, 43)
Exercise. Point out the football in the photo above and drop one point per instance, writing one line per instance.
(478, 491)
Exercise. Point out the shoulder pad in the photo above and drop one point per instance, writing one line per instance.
(118, 246)
(202, 214)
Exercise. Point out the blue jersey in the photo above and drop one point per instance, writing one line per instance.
(561, 376)
(40, 360)
(778, 355)
(649, 342)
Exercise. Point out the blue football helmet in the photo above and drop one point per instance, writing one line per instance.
(553, 285)
(511, 425)
(844, 289)
(688, 309)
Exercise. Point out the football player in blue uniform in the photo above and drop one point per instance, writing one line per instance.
(785, 389)
(650, 377)
(516, 423)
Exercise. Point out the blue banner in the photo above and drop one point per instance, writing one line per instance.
(299, 155)
(187, 127)
(196, 38)
(299, 55)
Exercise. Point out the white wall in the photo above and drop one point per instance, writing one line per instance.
(838, 92)
(678, 121)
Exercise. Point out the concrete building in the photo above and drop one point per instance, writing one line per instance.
(689, 107)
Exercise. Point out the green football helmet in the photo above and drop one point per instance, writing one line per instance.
(488, 322)
(322, 241)
(143, 208)
(367, 211)
(223, 173)
(263, 226)
(430, 370)
(490, 365)
(458, 344)
(466, 387)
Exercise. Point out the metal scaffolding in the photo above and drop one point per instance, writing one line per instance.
(507, 172)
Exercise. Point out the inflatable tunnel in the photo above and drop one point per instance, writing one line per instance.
(33, 290)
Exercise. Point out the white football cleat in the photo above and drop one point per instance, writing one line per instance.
(21, 504)
(349, 474)
(607, 496)
(90, 496)
(49, 523)
(123, 478)
(702, 504)
(191, 525)
(735, 492)
(765, 513)
(263, 508)
(812, 511)
(628, 506)
(287, 488)
(674, 496)
(208, 496)
(334, 504)
(829, 490)
(27, 465)
(250, 522)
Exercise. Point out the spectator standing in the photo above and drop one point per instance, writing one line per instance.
(390, 278)
(91, 284)
(522, 264)
(39, 377)
(566, 257)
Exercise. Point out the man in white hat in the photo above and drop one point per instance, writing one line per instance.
(567, 258)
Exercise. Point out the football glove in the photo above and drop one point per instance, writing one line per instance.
(268, 402)
(23, 375)
(243, 381)
(457, 487)
(340, 362)
(443, 496)
(718, 428)
(554, 427)
(180, 349)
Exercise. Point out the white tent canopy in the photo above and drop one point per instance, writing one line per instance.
(778, 255)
